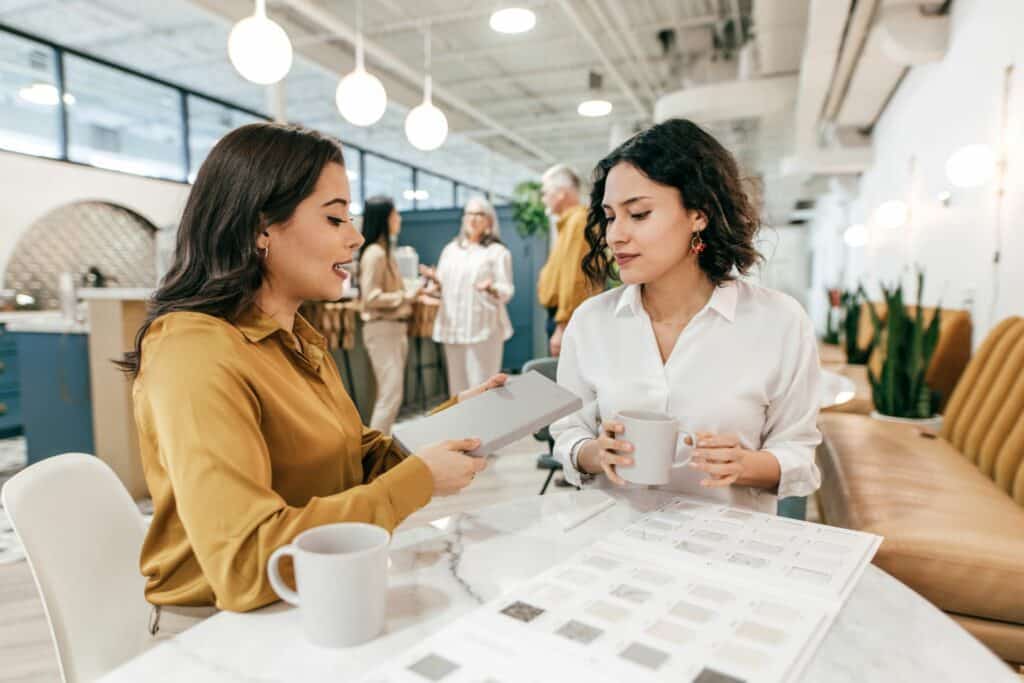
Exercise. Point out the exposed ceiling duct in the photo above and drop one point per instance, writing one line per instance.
(729, 100)
(856, 55)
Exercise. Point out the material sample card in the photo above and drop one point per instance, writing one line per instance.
(694, 591)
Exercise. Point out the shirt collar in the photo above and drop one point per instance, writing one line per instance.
(257, 326)
(723, 300)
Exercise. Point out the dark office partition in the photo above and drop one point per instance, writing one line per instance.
(429, 231)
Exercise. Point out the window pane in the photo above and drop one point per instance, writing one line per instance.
(438, 192)
(352, 169)
(29, 115)
(389, 179)
(123, 122)
(465, 192)
(208, 122)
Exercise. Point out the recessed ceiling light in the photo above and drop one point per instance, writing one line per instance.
(43, 94)
(513, 20)
(594, 108)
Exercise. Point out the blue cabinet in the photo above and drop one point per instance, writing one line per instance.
(10, 390)
(55, 401)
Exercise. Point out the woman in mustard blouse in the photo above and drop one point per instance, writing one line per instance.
(247, 435)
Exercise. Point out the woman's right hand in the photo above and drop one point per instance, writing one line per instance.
(428, 272)
(451, 468)
(606, 452)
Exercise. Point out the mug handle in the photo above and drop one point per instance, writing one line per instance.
(683, 447)
(273, 573)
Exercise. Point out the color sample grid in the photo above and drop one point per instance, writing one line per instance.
(811, 558)
(640, 608)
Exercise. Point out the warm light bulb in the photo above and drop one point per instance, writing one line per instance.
(892, 214)
(856, 235)
(361, 98)
(594, 108)
(259, 49)
(971, 166)
(426, 126)
(513, 20)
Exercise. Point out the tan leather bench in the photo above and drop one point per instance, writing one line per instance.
(951, 508)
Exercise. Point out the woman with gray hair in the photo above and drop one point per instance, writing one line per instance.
(474, 281)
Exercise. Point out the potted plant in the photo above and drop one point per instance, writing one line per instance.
(899, 390)
(528, 209)
(853, 304)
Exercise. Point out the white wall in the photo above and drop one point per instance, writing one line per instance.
(938, 109)
(30, 187)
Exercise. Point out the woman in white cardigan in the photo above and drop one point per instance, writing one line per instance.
(474, 280)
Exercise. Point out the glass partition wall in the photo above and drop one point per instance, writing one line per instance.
(61, 104)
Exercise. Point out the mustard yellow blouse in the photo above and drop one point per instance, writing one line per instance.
(246, 442)
(562, 284)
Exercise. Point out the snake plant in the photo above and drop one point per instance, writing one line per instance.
(853, 303)
(908, 342)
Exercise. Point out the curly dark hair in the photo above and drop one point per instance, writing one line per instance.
(680, 154)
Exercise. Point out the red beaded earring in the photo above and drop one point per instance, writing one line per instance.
(697, 245)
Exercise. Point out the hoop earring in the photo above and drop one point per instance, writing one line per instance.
(264, 252)
(697, 245)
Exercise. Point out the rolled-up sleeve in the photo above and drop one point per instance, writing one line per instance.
(791, 429)
(571, 431)
(503, 285)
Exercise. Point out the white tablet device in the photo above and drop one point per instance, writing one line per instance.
(497, 417)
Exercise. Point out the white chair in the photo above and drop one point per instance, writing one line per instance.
(82, 535)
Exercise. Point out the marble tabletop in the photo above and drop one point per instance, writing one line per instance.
(885, 632)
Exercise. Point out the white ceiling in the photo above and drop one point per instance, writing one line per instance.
(499, 91)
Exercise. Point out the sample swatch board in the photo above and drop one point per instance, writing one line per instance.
(694, 591)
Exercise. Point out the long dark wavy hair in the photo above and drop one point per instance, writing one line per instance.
(680, 154)
(377, 221)
(253, 177)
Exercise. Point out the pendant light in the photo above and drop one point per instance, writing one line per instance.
(360, 96)
(595, 106)
(426, 126)
(259, 48)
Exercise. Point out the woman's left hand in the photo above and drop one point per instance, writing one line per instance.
(727, 462)
(493, 383)
(721, 456)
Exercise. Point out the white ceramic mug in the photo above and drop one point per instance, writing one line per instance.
(658, 442)
(341, 572)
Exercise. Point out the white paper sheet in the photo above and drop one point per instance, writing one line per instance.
(638, 607)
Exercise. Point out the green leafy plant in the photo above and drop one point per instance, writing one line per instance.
(852, 308)
(528, 209)
(900, 390)
(831, 324)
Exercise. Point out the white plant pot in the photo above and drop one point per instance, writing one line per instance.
(932, 424)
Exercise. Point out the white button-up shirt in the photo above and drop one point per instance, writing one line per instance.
(746, 364)
(467, 315)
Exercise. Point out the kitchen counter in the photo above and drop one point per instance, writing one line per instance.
(49, 322)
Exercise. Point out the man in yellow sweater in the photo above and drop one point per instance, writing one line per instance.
(562, 286)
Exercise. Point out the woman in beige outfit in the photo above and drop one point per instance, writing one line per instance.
(387, 308)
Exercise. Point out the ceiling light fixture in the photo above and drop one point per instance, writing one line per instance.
(513, 20)
(596, 106)
(426, 126)
(360, 96)
(259, 48)
(971, 166)
(856, 235)
(44, 94)
(892, 214)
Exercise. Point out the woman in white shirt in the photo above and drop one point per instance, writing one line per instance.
(474, 275)
(734, 362)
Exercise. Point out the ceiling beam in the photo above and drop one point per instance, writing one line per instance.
(643, 111)
(624, 40)
(388, 60)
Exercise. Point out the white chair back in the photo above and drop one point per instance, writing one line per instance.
(82, 535)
